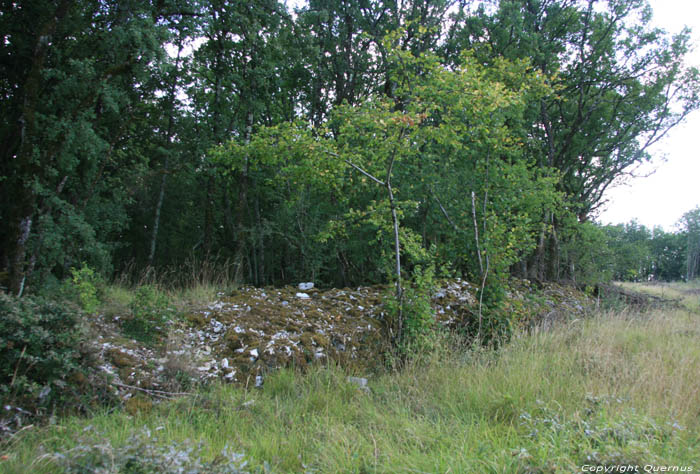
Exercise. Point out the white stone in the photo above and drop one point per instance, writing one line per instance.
(361, 382)
(258, 381)
(216, 325)
(306, 286)
(224, 363)
(302, 296)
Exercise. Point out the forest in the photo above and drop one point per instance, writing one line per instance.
(329, 141)
(282, 228)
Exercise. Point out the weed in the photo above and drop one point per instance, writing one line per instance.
(84, 285)
(150, 315)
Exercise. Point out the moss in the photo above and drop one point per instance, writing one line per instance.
(307, 340)
(321, 340)
(233, 340)
(125, 373)
(196, 319)
(291, 327)
(122, 359)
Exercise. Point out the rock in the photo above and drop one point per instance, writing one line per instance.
(258, 381)
(216, 325)
(224, 363)
(306, 286)
(302, 296)
(253, 354)
(361, 383)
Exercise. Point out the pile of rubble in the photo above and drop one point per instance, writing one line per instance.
(242, 336)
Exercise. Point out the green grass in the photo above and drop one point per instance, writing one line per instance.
(614, 389)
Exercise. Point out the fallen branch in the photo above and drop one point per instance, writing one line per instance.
(155, 393)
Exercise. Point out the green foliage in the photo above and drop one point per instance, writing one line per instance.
(691, 225)
(84, 284)
(585, 252)
(40, 348)
(491, 322)
(419, 332)
(150, 315)
(125, 147)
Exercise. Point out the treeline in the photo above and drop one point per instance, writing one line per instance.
(343, 142)
(633, 252)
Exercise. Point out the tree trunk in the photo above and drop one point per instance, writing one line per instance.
(209, 216)
(156, 219)
(168, 139)
(397, 254)
(242, 207)
(21, 222)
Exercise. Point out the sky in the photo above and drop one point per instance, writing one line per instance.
(673, 187)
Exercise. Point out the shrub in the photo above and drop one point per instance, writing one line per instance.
(495, 324)
(84, 284)
(150, 315)
(39, 348)
(418, 332)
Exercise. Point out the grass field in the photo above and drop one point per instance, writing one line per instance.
(687, 294)
(615, 389)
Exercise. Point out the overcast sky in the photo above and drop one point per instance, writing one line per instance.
(674, 187)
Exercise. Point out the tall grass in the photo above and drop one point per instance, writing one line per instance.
(195, 282)
(614, 389)
(195, 271)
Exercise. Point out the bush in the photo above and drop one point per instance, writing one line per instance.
(150, 315)
(84, 284)
(418, 332)
(39, 349)
(495, 325)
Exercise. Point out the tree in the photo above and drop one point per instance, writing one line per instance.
(618, 87)
(389, 157)
(73, 72)
(691, 225)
